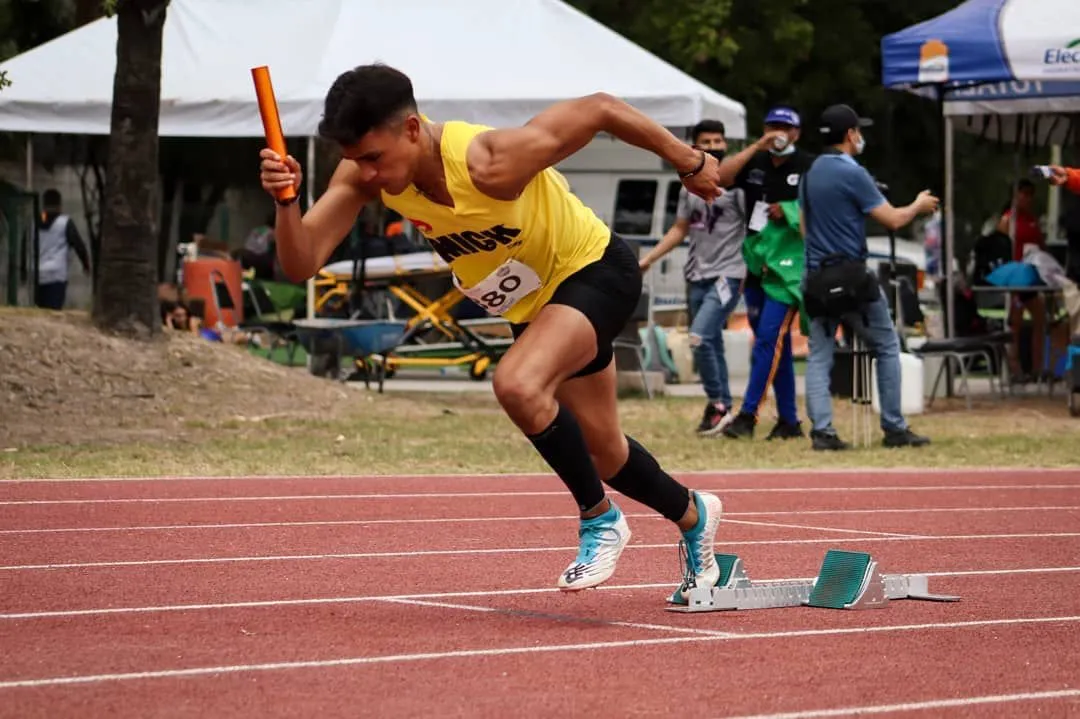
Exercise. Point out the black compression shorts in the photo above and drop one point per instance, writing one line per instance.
(607, 293)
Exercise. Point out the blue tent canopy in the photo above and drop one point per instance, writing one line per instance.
(1000, 67)
(988, 41)
(957, 47)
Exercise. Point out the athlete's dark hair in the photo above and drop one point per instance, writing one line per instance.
(707, 126)
(362, 99)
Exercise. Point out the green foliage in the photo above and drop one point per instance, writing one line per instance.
(811, 55)
(25, 24)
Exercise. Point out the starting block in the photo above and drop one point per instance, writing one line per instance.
(847, 580)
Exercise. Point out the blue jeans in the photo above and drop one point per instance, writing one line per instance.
(709, 315)
(875, 327)
(771, 361)
(51, 295)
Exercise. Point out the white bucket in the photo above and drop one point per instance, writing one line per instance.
(931, 365)
(911, 385)
(738, 345)
(678, 343)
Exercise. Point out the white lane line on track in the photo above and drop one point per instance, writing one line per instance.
(552, 493)
(535, 518)
(511, 550)
(868, 532)
(218, 671)
(269, 603)
(547, 475)
(958, 702)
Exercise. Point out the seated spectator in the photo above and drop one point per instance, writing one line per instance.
(176, 317)
(1027, 232)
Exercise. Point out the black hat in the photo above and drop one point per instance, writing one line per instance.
(837, 120)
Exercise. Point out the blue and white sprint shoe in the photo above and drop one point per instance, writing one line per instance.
(698, 548)
(603, 539)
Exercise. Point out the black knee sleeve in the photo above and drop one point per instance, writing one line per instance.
(643, 480)
(563, 447)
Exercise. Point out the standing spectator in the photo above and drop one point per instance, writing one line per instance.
(260, 251)
(714, 271)
(768, 172)
(836, 195)
(1070, 179)
(56, 235)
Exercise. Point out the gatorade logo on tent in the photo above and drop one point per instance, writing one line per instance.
(1063, 59)
(934, 61)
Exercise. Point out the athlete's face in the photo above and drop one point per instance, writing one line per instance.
(387, 156)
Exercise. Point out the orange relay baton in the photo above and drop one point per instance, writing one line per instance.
(275, 139)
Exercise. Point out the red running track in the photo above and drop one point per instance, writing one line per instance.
(433, 596)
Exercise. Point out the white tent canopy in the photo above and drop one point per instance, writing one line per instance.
(496, 62)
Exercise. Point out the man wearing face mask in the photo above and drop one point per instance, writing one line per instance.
(714, 271)
(836, 196)
(768, 172)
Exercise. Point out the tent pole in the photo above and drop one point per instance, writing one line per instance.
(1053, 201)
(950, 232)
(310, 168)
(29, 162)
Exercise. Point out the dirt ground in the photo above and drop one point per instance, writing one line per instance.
(63, 381)
(76, 402)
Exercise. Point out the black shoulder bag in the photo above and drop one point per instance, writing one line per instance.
(841, 285)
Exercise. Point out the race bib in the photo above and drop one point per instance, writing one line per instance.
(723, 290)
(760, 216)
(503, 288)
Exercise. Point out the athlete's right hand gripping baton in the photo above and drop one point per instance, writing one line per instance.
(268, 109)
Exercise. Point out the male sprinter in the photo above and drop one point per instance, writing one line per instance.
(523, 247)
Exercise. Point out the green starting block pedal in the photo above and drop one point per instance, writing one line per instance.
(732, 576)
(847, 580)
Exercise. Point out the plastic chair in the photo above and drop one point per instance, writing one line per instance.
(630, 339)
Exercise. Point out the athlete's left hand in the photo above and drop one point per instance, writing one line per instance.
(776, 212)
(705, 183)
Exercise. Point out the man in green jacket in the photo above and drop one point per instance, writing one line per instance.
(773, 250)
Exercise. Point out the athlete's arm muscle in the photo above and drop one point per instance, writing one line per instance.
(502, 162)
(305, 243)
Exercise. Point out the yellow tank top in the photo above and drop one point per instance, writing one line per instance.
(546, 228)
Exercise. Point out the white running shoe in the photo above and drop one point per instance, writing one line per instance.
(701, 569)
(603, 539)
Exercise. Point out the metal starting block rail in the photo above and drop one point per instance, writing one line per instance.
(847, 580)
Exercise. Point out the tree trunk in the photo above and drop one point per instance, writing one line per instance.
(126, 300)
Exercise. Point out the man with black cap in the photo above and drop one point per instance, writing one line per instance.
(836, 195)
(768, 173)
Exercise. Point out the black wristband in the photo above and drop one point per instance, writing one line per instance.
(286, 203)
(696, 170)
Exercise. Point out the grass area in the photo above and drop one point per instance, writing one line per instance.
(389, 434)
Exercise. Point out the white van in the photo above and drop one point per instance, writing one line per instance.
(636, 194)
(632, 190)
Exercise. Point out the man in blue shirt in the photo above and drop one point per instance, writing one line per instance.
(836, 196)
